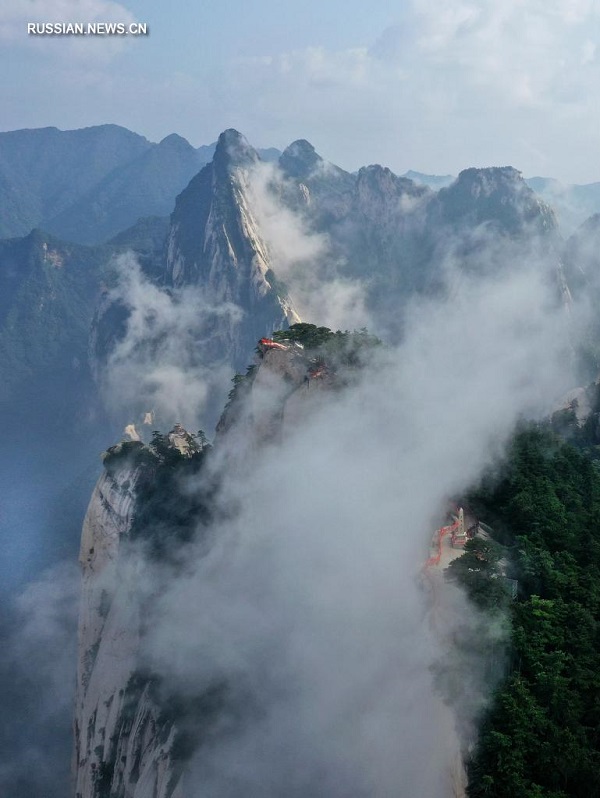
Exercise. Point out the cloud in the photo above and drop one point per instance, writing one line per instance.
(171, 359)
(302, 258)
(496, 82)
(504, 49)
(309, 603)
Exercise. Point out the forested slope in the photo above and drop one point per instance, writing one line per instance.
(541, 735)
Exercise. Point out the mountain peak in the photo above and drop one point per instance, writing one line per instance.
(490, 178)
(175, 141)
(300, 159)
(233, 150)
(496, 194)
(382, 180)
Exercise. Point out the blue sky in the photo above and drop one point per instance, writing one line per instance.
(417, 84)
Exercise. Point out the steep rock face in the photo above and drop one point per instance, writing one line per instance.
(122, 743)
(134, 732)
(582, 254)
(291, 373)
(498, 196)
(383, 236)
(323, 187)
(215, 242)
(127, 740)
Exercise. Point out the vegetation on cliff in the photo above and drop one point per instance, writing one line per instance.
(166, 513)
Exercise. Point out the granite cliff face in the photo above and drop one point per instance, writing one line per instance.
(214, 259)
(124, 739)
(215, 242)
(111, 727)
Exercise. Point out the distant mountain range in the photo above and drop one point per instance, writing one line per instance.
(87, 185)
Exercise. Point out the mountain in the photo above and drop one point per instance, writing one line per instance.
(49, 289)
(52, 290)
(207, 263)
(145, 186)
(215, 251)
(384, 232)
(49, 406)
(134, 731)
(573, 203)
(495, 196)
(397, 238)
(122, 745)
(60, 319)
(87, 185)
(210, 268)
(45, 171)
(207, 151)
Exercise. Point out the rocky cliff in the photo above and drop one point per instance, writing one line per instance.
(125, 741)
(132, 737)
(116, 724)
(398, 238)
(215, 242)
(215, 264)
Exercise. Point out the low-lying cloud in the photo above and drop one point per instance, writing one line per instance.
(302, 257)
(309, 603)
(168, 360)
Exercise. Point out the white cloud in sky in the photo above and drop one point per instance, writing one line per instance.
(522, 54)
(472, 81)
